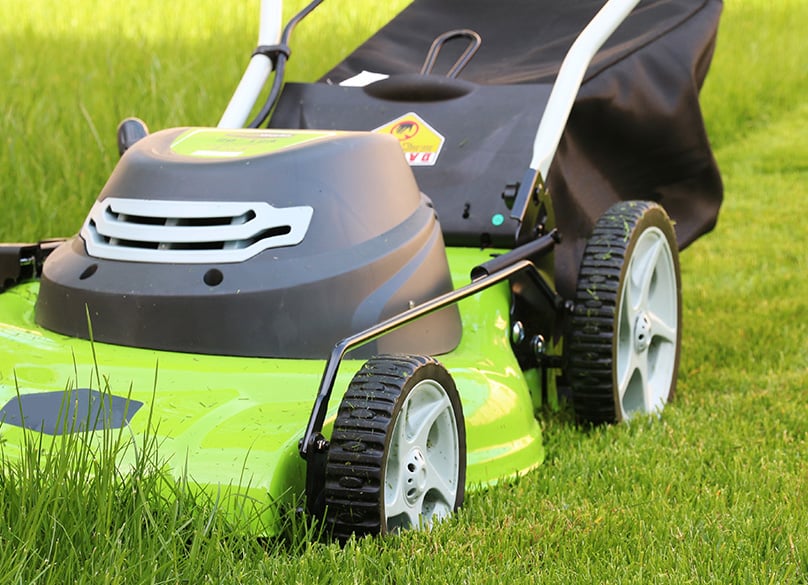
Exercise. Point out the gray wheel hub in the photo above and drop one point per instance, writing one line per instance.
(415, 475)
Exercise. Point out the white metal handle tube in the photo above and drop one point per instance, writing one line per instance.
(258, 70)
(569, 79)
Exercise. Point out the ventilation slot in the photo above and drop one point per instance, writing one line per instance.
(190, 231)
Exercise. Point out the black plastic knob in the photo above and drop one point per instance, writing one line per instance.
(130, 131)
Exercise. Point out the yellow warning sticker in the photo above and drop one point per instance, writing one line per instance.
(420, 142)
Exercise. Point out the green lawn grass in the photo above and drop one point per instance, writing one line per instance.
(713, 492)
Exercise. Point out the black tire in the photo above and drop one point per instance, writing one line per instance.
(625, 333)
(365, 458)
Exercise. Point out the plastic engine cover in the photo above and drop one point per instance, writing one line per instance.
(254, 243)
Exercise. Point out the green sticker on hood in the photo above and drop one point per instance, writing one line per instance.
(216, 143)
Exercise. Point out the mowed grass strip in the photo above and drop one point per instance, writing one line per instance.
(714, 491)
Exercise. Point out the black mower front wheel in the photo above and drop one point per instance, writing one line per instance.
(623, 343)
(397, 458)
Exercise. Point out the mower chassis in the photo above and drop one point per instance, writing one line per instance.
(23, 262)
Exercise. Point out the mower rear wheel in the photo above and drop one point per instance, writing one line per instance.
(397, 458)
(623, 345)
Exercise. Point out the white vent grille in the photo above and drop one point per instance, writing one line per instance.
(199, 232)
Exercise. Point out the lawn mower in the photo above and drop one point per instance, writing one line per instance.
(365, 294)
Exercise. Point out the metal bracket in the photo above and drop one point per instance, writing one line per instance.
(525, 207)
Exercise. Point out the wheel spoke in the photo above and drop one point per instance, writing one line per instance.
(642, 273)
(626, 358)
(627, 373)
(437, 481)
(642, 379)
(662, 329)
(633, 385)
(425, 419)
(415, 517)
(396, 511)
(401, 437)
(630, 308)
(395, 502)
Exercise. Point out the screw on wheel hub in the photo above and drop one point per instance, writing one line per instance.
(642, 333)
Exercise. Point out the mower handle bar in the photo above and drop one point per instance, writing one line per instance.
(569, 79)
(553, 120)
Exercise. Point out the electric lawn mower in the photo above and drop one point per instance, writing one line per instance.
(366, 294)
